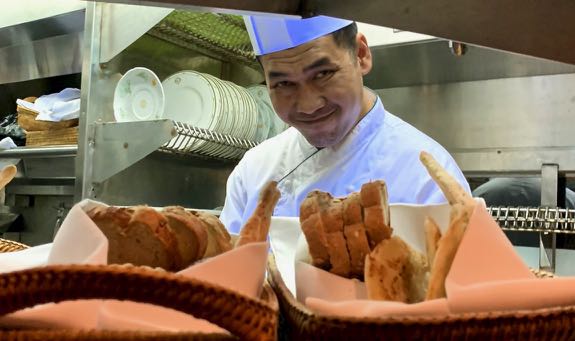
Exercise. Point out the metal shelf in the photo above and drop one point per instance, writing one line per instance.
(39, 152)
(218, 146)
(534, 219)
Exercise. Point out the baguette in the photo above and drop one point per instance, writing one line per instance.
(257, 226)
(432, 237)
(462, 206)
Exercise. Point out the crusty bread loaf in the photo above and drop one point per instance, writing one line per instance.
(219, 240)
(331, 213)
(375, 211)
(352, 212)
(322, 225)
(138, 235)
(396, 272)
(316, 240)
(357, 247)
(313, 228)
(359, 222)
(355, 235)
(191, 235)
(172, 238)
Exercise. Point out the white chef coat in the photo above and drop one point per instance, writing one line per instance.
(380, 146)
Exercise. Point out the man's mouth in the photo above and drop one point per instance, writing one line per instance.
(318, 118)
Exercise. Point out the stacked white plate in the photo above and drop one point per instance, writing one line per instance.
(204, 101)
(269, 123)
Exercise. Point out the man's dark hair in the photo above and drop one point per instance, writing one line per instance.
(345, 37)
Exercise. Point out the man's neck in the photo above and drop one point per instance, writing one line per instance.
(367, 103)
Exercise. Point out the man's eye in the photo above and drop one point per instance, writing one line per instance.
(282, 84)
(323, 74)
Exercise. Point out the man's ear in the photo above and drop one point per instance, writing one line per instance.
(363, 54)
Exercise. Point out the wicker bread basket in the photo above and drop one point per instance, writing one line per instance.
(10, 246)
(52, 137)
(27, 120)
(246, 318)
(299, 323)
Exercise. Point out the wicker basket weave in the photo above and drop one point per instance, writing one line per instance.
(10, 246)
(246, 318)
(52, 137)
(297, 322)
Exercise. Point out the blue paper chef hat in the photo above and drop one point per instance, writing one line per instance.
(271, 33)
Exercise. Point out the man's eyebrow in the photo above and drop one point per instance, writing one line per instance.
(318, 63)
(275, 74)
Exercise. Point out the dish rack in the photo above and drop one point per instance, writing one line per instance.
(231, 148)
(222, 36)
(534, 219)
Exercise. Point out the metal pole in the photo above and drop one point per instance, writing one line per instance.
(547, 240)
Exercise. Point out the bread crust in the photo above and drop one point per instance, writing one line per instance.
(312, 229)
(396, 272)
(432, 237)
(358, 248)
(219, 239)
(375, 208)
(138, 235)
(257, 226)
(191, 235)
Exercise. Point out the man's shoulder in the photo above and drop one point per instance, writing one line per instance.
(409, 137)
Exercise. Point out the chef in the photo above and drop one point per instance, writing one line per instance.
(340, 137)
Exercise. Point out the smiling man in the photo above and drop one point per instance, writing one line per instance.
(340, 137)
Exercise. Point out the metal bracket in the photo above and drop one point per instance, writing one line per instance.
(547, 241)
(119, 145)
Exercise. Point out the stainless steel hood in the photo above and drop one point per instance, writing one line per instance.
(541, 29)
(42, 48)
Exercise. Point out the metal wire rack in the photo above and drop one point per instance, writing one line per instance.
(222, 36)
(534, 219)
(194, 141)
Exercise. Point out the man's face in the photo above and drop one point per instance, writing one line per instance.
(317, 87)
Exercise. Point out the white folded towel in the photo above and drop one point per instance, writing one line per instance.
(57, 107)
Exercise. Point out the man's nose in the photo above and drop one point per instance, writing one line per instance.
(309, 100)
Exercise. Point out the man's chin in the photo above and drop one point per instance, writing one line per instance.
(322, 141)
